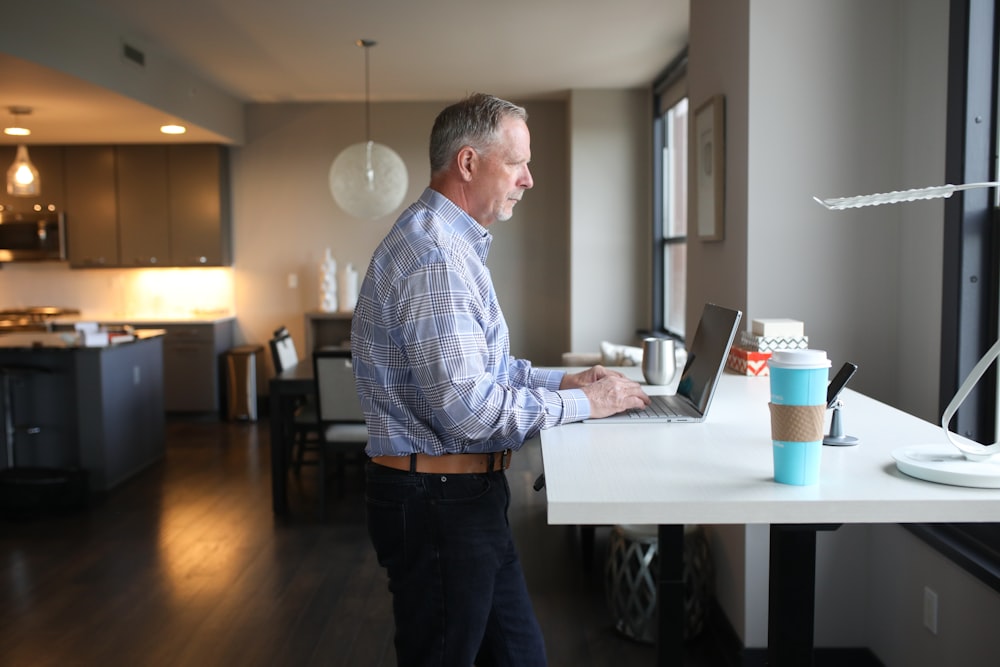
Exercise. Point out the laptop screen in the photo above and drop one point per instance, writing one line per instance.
(707, 354)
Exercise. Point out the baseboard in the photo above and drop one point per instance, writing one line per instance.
(822, 657)
(720, 640)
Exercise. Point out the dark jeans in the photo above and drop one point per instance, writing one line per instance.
(458, 592)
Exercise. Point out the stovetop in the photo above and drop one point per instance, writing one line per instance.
(37, 312)
(31, 318)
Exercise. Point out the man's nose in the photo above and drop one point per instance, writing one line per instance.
(527, 182)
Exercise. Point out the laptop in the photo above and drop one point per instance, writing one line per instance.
(705, 363)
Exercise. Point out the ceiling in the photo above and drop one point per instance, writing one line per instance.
(304, 51)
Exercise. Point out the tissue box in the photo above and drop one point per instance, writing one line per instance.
(754, 343)
(93, 338)
(747, 362)
(778, 328)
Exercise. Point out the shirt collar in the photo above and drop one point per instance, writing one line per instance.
(461, 223)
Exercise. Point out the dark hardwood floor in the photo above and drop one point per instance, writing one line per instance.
(186, 565)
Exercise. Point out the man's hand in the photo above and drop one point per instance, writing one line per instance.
(584, 378)
(609, 392)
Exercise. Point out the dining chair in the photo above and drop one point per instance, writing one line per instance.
(283, 352)
(305, 428)
(342, 423)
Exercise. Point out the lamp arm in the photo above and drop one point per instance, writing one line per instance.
(973, 451)
(899, 196)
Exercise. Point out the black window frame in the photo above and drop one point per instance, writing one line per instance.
(676, 69)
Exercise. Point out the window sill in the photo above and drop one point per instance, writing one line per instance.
(973, 547)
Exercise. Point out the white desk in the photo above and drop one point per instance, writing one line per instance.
(720, 472)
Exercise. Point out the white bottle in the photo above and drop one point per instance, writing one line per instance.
(328, 283)
(348, 289)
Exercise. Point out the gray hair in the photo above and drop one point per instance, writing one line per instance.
(472, 122)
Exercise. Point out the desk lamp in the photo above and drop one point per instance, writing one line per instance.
(973, 465)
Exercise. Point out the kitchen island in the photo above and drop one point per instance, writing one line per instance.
(97, 408)
(192, 354)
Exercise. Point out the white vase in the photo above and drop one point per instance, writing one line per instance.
(328, 283)
(348, 288)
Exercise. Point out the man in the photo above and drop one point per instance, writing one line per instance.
(446, 404)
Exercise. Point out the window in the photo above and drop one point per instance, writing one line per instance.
(670, 189)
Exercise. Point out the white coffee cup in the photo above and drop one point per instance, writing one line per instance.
(659, 361)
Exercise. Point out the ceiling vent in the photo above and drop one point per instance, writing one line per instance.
(133, 54)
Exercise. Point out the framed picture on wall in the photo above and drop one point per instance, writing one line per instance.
(710, 169)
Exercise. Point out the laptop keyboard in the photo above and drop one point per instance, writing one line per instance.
(659, 406)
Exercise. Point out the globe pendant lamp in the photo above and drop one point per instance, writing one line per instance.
(368, 179)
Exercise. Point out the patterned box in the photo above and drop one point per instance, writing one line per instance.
(755, 343)
(747, 362)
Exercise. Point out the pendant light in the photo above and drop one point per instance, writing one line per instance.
(368, 179)
(22, 176)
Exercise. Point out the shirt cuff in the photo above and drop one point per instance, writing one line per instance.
(575, 406)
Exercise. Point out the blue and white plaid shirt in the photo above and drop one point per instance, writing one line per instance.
(431, 349)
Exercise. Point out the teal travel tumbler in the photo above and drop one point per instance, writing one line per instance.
(798, 408)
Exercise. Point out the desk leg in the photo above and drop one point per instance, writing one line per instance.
(279, 468)
(670, 596)
(792, 594)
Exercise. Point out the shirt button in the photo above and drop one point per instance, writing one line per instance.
(444, 478)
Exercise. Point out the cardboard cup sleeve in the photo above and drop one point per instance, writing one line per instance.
(797, 423)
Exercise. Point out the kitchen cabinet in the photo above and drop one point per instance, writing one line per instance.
(200, 232)
(48, 160)
(143, 206)
(91, 196)
(192, 353)
(173, 205)
(148, 206)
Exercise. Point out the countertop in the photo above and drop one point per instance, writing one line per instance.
(69, 340)
(147, 320)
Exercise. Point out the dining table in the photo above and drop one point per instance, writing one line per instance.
(286, 389)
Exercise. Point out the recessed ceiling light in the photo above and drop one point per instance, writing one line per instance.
(173, 129)
(16, 129)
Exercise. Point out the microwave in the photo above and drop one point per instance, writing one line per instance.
(34, 236)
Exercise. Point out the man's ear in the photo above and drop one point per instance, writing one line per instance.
(467, 160)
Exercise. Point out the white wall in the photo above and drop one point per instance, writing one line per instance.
(610, 202)
(833, 98)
